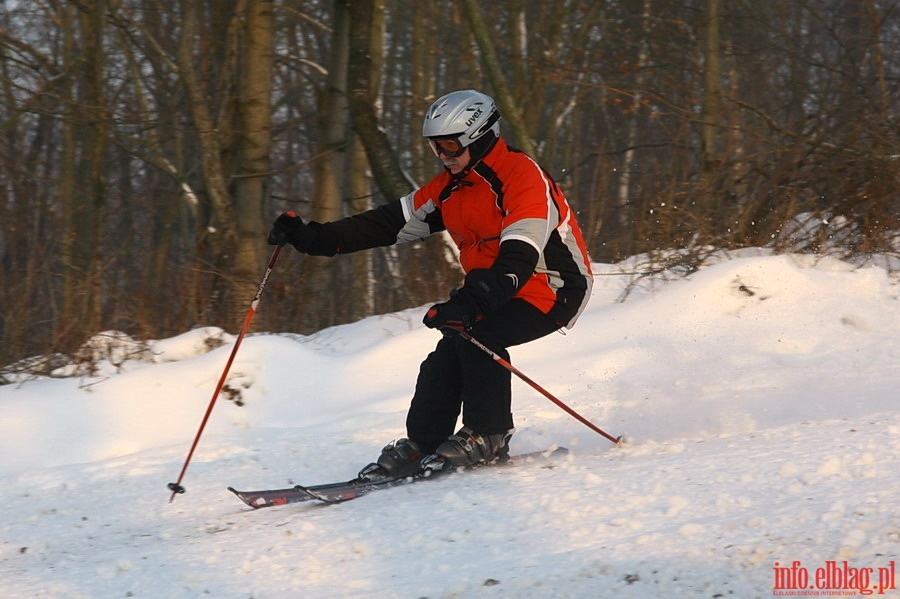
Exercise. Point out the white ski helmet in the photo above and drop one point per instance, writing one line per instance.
(464, 116)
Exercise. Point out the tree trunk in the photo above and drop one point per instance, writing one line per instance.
(330, 166)
(254, 141)
(332, 125)
(221, 231)
(82, 180)
(362, 288)
(508, 106)
(711, 116)
(422, 91)
(385, 166)
(624, 190)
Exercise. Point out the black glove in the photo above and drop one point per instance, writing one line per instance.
(289, 228)
(459, 313)
(488, 289)
(482, 293)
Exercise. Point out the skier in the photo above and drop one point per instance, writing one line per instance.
(527, 275)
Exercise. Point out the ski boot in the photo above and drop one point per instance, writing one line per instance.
(466, 449)
(398, 459)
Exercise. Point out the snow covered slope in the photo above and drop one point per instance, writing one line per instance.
(760, 399)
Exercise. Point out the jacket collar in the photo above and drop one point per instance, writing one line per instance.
(495, 156)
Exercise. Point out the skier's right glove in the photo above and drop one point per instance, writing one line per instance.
(290, 228)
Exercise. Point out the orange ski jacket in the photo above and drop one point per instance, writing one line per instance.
(505, 214)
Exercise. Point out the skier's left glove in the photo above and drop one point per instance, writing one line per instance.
(459, 313)
(483, 292)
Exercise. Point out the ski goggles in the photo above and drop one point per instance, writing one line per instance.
(448, 146)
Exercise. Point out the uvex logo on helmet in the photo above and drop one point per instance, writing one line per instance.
(474, 117)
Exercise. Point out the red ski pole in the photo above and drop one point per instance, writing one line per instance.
(176, 487)
(538, 388)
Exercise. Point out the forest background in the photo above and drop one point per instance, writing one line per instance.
(146, 145)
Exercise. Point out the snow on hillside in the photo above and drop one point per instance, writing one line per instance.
(759, 397)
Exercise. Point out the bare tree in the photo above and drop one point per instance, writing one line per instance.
(83, 192)
(254, 145)
(508, 106)
(712, 75)
(388, 174)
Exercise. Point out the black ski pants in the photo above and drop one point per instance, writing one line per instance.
(459, 377)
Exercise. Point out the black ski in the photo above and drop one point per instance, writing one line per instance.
(351, 489)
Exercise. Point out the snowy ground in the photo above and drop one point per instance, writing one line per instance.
(760, 398)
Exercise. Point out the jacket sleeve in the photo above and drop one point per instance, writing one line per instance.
(516, 261)
(412, 217)
(374, 228)
(490, 288)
